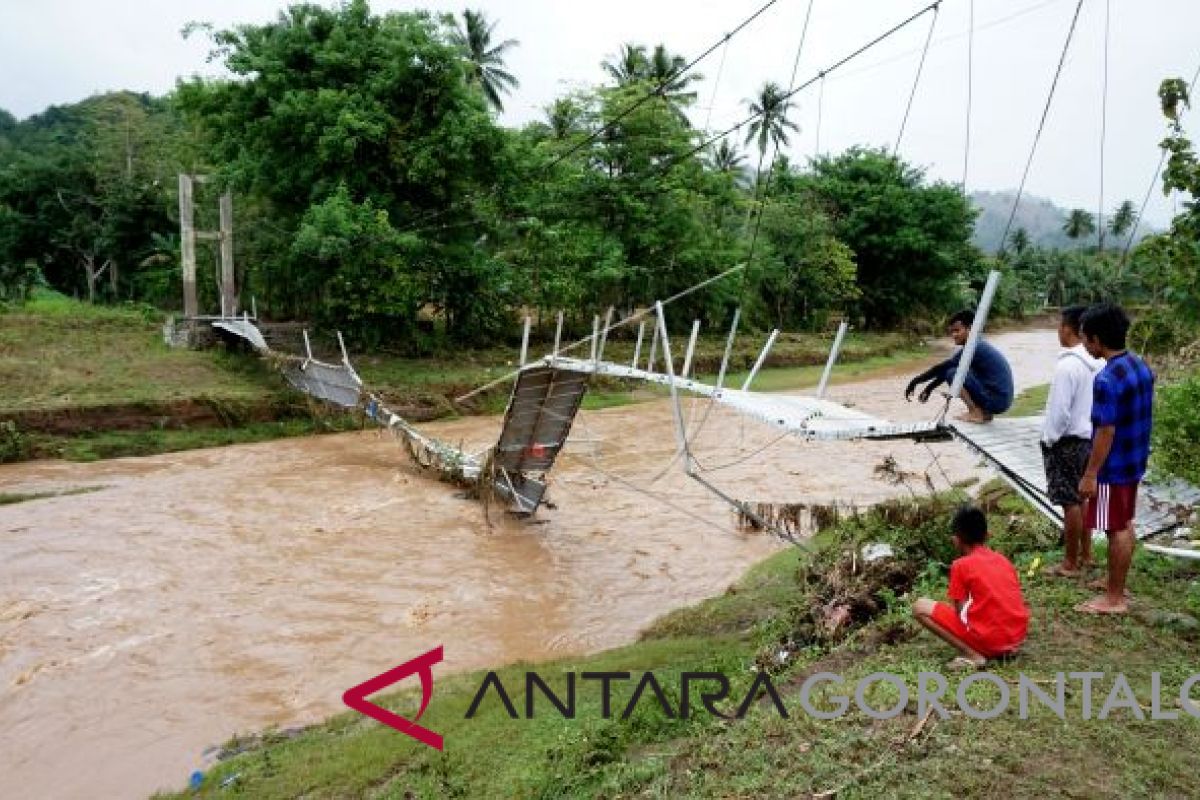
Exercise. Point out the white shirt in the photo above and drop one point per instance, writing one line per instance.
(1069, 406)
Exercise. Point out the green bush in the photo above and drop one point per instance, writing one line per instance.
(1177, 428)
(14, 445)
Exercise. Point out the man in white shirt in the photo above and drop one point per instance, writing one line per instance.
(1066, 437)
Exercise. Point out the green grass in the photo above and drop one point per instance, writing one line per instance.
(651, 755)
(57, 353)
(1031, 402)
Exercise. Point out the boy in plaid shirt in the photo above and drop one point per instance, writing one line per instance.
(1122, 417)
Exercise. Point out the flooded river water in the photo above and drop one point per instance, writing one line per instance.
(187, 597)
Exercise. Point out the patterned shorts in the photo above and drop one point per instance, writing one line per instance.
(1065, 462)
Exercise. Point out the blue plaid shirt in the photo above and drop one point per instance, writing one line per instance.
(1123, 396)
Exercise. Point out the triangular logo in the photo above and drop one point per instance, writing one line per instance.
(422, 666)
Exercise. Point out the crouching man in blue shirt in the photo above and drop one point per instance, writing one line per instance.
(988, 389)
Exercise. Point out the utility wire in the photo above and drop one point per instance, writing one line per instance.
(657, 91)
(970, 91)
(1103, 126)
(916, 80)
(1041, 125)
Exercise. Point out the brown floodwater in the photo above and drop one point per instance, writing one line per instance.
(191, 596)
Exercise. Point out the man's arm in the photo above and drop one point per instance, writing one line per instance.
(1102, 442)
(936, 373)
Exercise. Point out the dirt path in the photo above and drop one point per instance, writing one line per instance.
(201, 594)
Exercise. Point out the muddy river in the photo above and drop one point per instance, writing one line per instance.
(184, 598)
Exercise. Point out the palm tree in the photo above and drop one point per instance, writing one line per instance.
(728, 161)
(485, 63)
(1122, 219)
(666, 69)
(564, 116)
(771, 124)
(1019, 241)
(630, 65)
(1079, 224)
(662, 68)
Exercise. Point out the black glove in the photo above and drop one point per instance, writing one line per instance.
(924, 397)
(912, 387)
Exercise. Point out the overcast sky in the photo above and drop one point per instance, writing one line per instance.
(59, 51)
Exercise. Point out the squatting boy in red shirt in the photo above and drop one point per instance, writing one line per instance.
(989, 617)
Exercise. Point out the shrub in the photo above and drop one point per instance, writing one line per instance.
(1177, 428)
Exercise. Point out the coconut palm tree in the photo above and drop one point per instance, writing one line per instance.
(1019, 240)
(485, 61)
(1123, 219)
(661, 68)
(727, 160)
(1079, 224)
(630, 65)
(771, 124)
(564, 117)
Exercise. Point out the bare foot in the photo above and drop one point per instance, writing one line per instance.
(1102, 605)
(1063, 571)
(1101, 585)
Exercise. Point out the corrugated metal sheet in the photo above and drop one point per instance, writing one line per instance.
(542, 407)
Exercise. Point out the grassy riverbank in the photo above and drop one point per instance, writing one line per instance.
(85, 382)
(776, 618)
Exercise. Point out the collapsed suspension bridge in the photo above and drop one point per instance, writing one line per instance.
(547, 393)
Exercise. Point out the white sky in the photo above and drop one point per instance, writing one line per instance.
(58, 51)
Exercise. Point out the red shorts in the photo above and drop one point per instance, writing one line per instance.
(1112, 508)
(948, 620)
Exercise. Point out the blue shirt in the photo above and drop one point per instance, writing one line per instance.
(990, 368)
(1123, 397)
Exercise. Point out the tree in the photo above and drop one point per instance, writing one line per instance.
(629, 66)
(1079, 224)
(1122, 219)
(771, 124)
(485, 61)
(1019, 241)
(661, 69)
(911, 238)
(378, 109)
(726, 160)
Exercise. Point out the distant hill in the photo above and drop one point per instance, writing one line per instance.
(1041, 219)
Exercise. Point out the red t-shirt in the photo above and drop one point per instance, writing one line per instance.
(987, 584)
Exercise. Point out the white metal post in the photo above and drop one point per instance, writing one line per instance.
(761, 358)
(637, 348)
(557, 335)
(833, 354)
(342, 345)
(737, 314)
(307, 344)
(604, 333)
(691, 348)
(595, 335)
(525, 340)
(653, 348)
(677, 411)
(968, 351)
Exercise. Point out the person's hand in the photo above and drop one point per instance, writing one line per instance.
(1087, 486)
(912, 387)
(925, 395)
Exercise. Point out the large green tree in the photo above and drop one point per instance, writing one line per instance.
(911, 238)
(377, 112)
